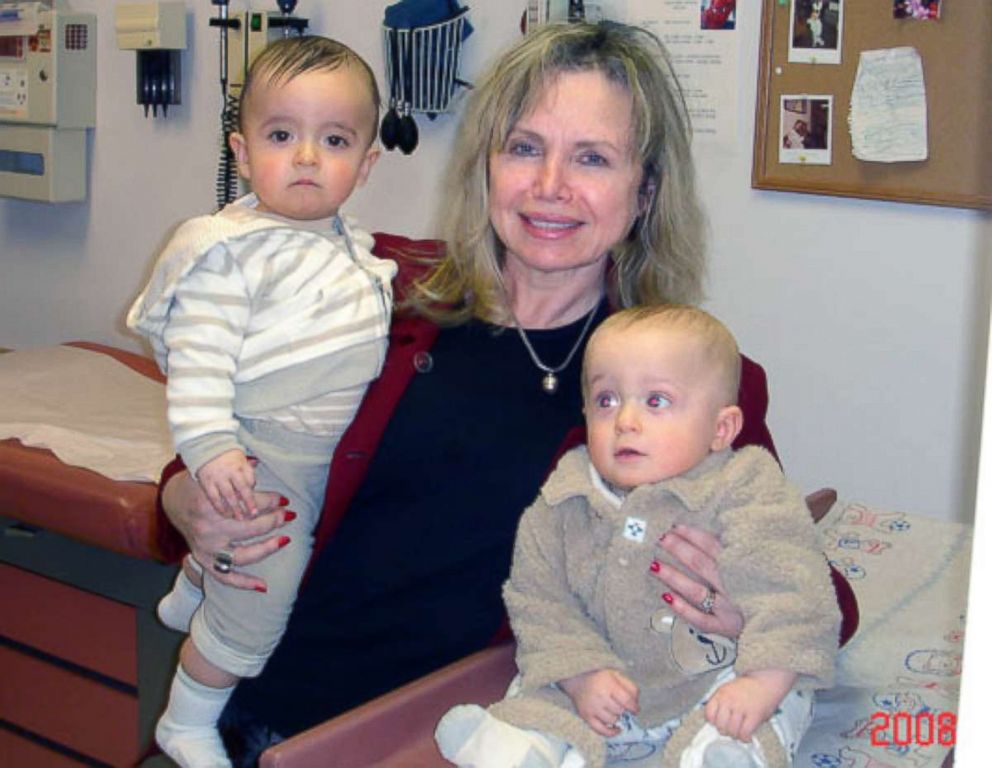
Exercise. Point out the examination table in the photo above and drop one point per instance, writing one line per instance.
(85, 662)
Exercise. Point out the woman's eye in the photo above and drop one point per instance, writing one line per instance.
(521, 148)
(658, 401)
(279, 136)
(593, 159)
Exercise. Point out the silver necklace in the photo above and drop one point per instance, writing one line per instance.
(549, 382)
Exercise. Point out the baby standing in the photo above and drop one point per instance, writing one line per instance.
(270, 319)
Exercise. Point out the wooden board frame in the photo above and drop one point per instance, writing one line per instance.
(956, 51)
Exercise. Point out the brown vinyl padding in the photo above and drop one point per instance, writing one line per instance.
(39, 490)
(397, 729)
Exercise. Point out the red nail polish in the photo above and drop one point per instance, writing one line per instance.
(283, 541)
(288, 516)
(283, 501)
(667, 597)
(655, 566)
(260, 588)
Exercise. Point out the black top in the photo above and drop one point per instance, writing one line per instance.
(412, 578)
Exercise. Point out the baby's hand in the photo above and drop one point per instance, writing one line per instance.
(228, 480)
(600, 697)
(737, 708)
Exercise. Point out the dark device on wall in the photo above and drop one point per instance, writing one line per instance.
(156, 32)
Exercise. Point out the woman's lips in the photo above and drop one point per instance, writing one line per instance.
(549, 227)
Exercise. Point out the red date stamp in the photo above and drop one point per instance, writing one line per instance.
(920, 729)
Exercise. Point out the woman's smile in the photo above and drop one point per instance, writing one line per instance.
(547, 226)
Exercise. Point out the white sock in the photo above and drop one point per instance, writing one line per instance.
(470, 737)
(176, 609)
(187, 731)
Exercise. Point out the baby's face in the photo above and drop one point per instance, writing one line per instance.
(652, 404)
(307, 142)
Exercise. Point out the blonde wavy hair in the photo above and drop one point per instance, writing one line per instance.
(663, 257)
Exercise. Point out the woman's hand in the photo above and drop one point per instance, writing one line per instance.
(600, 697)
(207, 532)
(697, 552)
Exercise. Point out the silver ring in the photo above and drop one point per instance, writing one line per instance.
(706, 606)
(223, 561)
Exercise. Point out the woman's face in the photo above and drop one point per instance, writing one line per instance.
(564, 189)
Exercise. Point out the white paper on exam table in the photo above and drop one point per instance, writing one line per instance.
(88, 409)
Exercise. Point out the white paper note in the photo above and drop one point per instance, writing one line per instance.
(888, 119)
(704, 60)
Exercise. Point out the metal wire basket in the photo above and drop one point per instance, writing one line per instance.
(422, 64)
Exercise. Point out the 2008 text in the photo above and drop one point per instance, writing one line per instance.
(920, 729)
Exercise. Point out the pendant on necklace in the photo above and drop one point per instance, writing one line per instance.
(549, 383)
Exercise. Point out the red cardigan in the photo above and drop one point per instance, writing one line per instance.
(410, 335)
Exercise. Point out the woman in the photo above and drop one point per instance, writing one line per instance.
(571, 190)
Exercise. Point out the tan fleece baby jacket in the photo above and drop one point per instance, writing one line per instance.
(581, 596)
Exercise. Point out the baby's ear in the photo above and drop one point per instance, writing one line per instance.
(729, 422)
(239, 147)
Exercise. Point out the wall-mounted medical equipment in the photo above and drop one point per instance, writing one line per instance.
(47, 99)
(548, 11)
(422, 43)
(156, 31)
(254, 31)
(243, 35)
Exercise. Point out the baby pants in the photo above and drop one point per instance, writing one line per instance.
(236, 629)
(470, 736)
(789, 723)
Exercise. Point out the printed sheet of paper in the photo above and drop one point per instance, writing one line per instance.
(705, 60)
(888, 119)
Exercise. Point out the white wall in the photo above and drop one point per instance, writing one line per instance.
(972, 744)
(869, 317)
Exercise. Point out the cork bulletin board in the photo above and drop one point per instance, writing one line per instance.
(956, 54)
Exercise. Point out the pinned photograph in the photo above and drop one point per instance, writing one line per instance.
(718, 14)
(921, 10)
(816, 31)
(805, 135)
